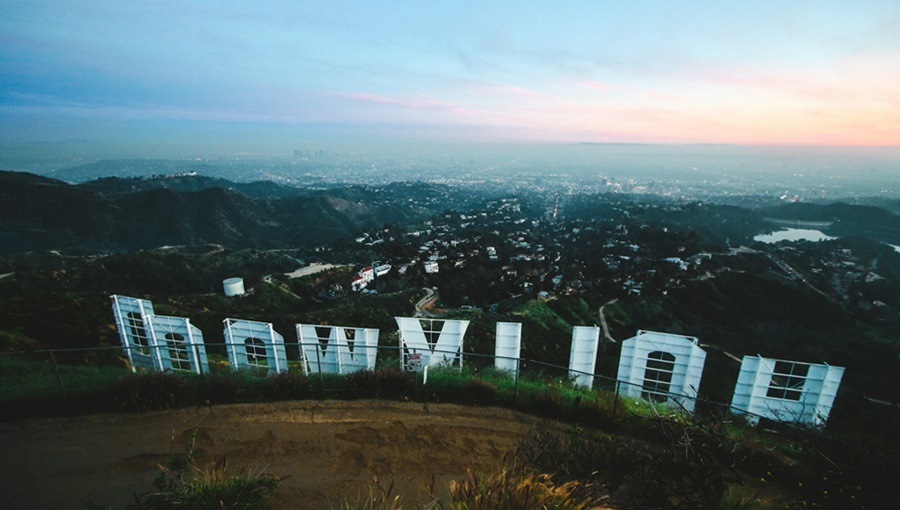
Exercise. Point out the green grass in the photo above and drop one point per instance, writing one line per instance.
(30, 387)
(34, 387)
(27, 378)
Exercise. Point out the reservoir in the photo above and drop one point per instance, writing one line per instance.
(793, 234)
(800, 234)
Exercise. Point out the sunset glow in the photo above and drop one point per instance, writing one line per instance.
(806, 73)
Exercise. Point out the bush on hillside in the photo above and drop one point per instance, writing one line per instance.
(388, 383)
(150, 391)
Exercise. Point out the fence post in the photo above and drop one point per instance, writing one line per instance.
(516, 385)
(62, 387)
(197, 360)
(615, 401)
(321, 379)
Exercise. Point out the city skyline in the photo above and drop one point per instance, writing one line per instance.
(805, 73)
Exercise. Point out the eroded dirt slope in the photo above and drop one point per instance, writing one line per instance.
(327, 452)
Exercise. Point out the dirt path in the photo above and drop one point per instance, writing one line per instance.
(603, 323)
(328, 450)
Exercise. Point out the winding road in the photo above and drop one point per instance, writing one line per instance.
(603, 323)
(425, 303)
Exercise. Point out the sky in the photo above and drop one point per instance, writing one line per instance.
(236, 72)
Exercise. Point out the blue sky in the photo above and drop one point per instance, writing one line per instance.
(682, 72)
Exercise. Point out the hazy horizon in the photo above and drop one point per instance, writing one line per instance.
(702, 169)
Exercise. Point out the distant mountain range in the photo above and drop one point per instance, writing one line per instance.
(134, 168)
(188, 183)
(116, 214)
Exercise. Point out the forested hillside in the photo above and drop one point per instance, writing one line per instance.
(115, 215)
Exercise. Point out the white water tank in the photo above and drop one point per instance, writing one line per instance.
(233, 286)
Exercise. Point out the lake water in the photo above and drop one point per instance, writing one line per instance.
(800, 234)
(793, 234)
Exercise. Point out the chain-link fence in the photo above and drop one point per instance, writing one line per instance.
(72, 379)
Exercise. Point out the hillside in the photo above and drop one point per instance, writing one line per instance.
(115, 215)
(185, 183)
(844, 219)
(654, 263)
(673, 266)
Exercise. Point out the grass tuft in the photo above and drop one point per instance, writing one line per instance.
(181, 484)
(379, 498)
(518, 490)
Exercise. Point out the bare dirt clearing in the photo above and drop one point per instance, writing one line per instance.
(311, 269)
(328, 451)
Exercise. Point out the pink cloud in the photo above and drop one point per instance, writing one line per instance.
(508, 91)
(856, 77)
(596, 85)
(736, 106)
(365, 97)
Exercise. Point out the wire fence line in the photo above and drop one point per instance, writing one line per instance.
(59, 374)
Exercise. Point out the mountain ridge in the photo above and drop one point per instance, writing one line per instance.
(112, 214)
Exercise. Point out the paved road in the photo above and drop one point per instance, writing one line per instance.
(794, 274)
(426, 302)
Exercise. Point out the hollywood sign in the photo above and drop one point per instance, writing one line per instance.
(658, 367)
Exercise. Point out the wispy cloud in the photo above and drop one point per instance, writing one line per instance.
(596, 85)
(719, 73)
(379, 99)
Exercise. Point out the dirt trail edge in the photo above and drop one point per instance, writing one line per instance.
(327, 452)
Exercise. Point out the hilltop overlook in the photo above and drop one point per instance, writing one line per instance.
(685, 266)
(546, 259)
(670, 230)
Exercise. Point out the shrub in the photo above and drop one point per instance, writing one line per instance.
(542, 402)
(577, 455)
(221, 388)
(476, 391)
(286, 386)
(389, 383)
(362, 383)
(684, 473)
(150, 391)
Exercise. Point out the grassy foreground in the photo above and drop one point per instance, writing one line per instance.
(616, 453)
